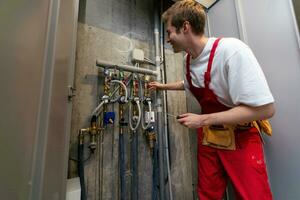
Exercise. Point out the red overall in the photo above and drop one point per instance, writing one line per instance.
(245, 166)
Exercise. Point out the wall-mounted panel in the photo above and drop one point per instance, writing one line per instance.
(57, 149)
(34, 74)
(23, 40)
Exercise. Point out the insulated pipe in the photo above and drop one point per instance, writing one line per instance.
(122, 166)
(121, 137)
(95, 112)
(101, 63)
(134, 166)
(155, 173)
(134, 141)
(159, 103)
(165, 104)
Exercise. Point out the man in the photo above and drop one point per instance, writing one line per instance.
(228, 83)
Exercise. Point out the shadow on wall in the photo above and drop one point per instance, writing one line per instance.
(82, 11)
(296, 4)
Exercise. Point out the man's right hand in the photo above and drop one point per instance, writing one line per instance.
(155, 85)
(168, 86)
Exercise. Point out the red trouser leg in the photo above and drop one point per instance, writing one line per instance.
(212, 179)
(245, 167)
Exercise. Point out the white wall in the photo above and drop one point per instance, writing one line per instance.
(222, 20)
(268, 28)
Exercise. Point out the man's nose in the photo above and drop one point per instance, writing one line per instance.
(168, 40)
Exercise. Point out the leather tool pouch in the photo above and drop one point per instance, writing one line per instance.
(219, 136)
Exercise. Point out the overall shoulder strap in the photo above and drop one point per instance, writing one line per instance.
(207, 77)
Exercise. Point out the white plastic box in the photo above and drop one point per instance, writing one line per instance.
(73, 189)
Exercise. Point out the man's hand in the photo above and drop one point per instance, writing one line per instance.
(155, 85)
(236, 115)
(168, 86)
(191, 120)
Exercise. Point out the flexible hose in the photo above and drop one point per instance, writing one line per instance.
(130, 116)
(139, 116)
(124, 87)
(81, 170)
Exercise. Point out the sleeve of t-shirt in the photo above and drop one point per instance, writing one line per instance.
(246, 80)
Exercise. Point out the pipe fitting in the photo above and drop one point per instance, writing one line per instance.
(135, 100)
(93, 131)
(81, 135)
(105, 99)
(147, 100)
(123, 100)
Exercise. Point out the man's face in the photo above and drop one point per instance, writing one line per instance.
(177, 40)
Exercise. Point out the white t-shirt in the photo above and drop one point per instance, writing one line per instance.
(236, 76)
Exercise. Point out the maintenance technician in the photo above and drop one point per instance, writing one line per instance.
(229, 84)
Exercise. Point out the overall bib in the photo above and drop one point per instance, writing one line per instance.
(245, 166)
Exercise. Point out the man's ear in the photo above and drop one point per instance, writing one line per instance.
(186, 27)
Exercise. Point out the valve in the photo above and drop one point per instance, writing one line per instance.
(93, 130)
(122, 100)
(135, 118)
(114, 76)
(109, 118)
(147, 100)
(123, 122)
(106, 72)
(135, 100)
(105, 99)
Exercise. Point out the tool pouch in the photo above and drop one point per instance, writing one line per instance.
(219, 136)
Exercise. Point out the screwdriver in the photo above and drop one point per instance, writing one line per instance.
(176, 116)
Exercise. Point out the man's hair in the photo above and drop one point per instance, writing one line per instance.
(186, 10)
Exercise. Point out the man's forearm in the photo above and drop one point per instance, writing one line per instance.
(173, 86)
(240, 114)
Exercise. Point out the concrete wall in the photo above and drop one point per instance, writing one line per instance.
(102, 169)
(109, 30)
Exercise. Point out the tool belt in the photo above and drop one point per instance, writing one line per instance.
(223, 136)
